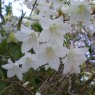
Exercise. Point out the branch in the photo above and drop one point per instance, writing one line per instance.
(14, 82)
(33, 7)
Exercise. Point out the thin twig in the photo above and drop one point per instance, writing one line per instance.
(6, 88)
(33, 7)
(14, 82)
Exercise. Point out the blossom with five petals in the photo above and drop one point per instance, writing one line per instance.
(28, 61)
(13, 69)
(80, 11)
(50, 54)
(29, 39)
(75, 57)
(54, 31)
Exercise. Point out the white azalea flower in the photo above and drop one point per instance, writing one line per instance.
(13, 69)
(64, 9)
(26, 22)
(45, 10)
(75, 57)
(37, 93)
(31, 42)
(29, 3)
(29, 39)
(28, 61)
(50, 54)
(54, 31)
(45, 22)
(58, 3)
(80, 11)
(9, 26)
(35, 18)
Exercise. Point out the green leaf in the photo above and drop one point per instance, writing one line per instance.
(2, 86)
(3, 47)
(11, 38)
(2, 74)
(14, 50)
(37, 27)
(20, 21)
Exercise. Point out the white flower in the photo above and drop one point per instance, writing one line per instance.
(80, 11)
(64, 9)
(58, 3)
(29, 3)
(26, 22)
(28, 61)
(75, 57)
(50, 54)
(45, 10)
(29, 39)
(13, 69)
(9, 26)
(35, 18)
(37, 93)
(54, 31)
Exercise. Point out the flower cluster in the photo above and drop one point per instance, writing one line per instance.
(48, 46)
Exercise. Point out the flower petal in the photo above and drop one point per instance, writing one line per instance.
(10, 73)
(54, 64)
(26, 47)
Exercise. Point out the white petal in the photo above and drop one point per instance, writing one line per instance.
(21, 36)
(25, 67)
(76, 69)
(26, 47)
(25, 29)
(62, 51)
(10, 61)
(44, 37)
(80, 55)
(34, 65)
(45, 22)
(7, 66)
(55, 40)
(71, 67)
(67, 68)
(21, 61)
(54, 63)
(80, 59)
(41, 48)
(41, 60)
(19, 75)
(10, 73)
(37, 93)
(81, 50)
